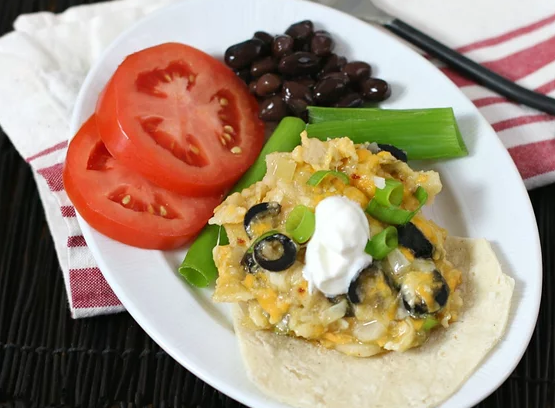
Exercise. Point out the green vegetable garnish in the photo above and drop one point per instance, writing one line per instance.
(391, 194)
(198, 267)
(301, 223)
(395, 215)
(429, 323)
(383, 243)
(317, 177)
(422, 133)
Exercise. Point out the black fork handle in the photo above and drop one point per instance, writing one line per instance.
(471, 69)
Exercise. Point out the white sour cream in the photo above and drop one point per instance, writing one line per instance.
(335, 253)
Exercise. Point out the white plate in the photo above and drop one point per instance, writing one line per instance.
(483, 195)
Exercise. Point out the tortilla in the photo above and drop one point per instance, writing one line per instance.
(305, 375)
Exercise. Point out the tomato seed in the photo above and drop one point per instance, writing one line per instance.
(163, 211)
(194, 149)
(224, 102)
(150, 209)
(168, 78)
(236, 150)
(192, 79)
(223, 140)
(126, 200)
(229, 129)
(226, 136)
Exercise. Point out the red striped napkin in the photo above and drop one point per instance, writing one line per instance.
(44, 61)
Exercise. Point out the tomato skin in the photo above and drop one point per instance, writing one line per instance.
(89, 190)
(132, 109)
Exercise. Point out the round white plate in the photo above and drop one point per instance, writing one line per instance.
(483, 193)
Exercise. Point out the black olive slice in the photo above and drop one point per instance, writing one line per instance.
(412, 238)
(286, 259)
(416, 306)
(258, 211)
(248, 263)
(395, 152)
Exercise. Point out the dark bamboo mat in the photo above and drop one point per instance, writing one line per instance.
(48, 359)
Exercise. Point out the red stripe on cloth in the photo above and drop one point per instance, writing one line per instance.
(68, 211)
(525, 62)
(507, 36)
(53, 176)
(546, 88)
(90, 289)
(534, 159)
(491, 100)
(76, 241)
(59, 146)
(457, 78)
(521, 120)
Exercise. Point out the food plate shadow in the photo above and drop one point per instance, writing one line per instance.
(467, 125)
(203, 297)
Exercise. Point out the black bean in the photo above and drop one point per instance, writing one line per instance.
(252, 87)
(243, 54)
(412, 238)
(341, 76)
(272, 109)
(282, 46)
(298, 107)
(357, 70)
(268, 84)
(375, 90)
(300, 63)
(308, 81)
(263, 66)
(301, 30)
(351, 100)
(264, 36)
(333, 63)
(244, 74)
(328, 91)
(296, 90)
(321, 43)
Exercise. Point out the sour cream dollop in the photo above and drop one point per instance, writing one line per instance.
(335, 253)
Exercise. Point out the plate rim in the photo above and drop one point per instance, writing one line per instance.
(158, 337)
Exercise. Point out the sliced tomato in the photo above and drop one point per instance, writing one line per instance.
(124, 205)
(180, 118)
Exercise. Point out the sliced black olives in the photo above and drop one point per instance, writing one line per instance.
(424, 293)
(257, 212)
(302, 55)
(395, 152)
(275, 253)
(248, 263)
(413, 239)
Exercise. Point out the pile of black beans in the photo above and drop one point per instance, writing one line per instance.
(291, 71)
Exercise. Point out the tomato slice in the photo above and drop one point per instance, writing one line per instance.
(180, 118)
(124, 205)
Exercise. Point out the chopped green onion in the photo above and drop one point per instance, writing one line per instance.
(198, 267)
(395, 215)
(391, 194)
(301, 223)
(317, 177)
(422, 133)
(429, 323)
(383, 243)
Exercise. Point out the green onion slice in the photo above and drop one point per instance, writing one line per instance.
(391, 195)
(394, 215)
(383, 243)
(317, 177)
(429, 323)
(301, 223)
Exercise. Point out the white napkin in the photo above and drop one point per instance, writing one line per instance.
(44, 61)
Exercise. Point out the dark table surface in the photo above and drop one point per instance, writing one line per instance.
(48, 359)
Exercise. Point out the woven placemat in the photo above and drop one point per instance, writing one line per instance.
(48, 359)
